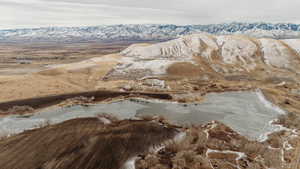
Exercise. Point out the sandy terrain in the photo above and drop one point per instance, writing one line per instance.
(201, 63)
(57, 80)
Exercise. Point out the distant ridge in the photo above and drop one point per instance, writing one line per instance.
(147, 32)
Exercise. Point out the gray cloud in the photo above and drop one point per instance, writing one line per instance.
(40, 13)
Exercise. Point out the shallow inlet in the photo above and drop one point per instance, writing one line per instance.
(248, 113)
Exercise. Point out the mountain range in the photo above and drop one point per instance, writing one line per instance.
(147, 32)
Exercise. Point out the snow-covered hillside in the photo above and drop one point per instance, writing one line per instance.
(223, 53)
(148, 32)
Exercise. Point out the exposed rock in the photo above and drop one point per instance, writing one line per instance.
(127, 88)
(154, 83)
(77, 101)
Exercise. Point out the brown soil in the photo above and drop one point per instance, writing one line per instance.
(184, 69)
(82, 144)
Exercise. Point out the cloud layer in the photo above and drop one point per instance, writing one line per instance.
(41, 13)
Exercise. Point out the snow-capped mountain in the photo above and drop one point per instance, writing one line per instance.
(148, 32)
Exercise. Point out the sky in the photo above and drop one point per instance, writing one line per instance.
(44, 13)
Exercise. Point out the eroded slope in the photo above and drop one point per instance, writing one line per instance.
(222, 54)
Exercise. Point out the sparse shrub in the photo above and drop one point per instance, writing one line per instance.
(188, 156)
(291, 120)
(272, 158)
(173, 147)
(253, 148)
(148, 162)
(20, 110)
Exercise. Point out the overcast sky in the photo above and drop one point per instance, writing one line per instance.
(42, 13)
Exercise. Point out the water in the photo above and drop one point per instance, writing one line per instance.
(246, 112)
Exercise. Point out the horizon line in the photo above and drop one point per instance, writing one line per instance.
(179, 25)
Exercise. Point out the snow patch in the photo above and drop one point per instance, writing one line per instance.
(130, 164)
(240, 154)
(269, 104)
(287, 146)
(275, 53)
(294, 44)
(275, 128)
(238, 50)
(183, 47)
(105, 120)
(212, 125)
(179, 137)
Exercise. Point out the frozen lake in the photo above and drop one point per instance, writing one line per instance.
(248, 113)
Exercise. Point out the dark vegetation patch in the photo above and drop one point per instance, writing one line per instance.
(21, 110)
(41, 102)
(291, 120)
(82, 144)
(239, 78)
